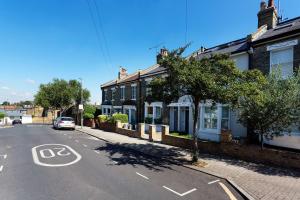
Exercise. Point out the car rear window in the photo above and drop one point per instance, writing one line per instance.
(67, 119)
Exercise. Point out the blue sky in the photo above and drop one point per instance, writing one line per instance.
(42, 40)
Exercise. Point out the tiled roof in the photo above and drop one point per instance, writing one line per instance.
(230, 47)
(153, 70)
(292, 25)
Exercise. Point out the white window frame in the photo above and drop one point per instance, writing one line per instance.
(122, 92)
(105, 95)
(281, 49)
(133, 94)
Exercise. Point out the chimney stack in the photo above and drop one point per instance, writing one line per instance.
(267, 15)
(122, 73)
(163, 53)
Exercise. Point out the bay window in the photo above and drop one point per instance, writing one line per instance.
(282, 59)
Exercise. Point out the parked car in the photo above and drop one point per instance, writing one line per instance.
(16, 121)
(64, 123)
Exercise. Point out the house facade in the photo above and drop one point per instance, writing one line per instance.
(275, 43)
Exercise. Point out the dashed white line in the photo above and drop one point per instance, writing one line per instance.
(213, 182)
(1, 168)
(4, 156)
(145, 177)
(180, 194)
(97, 152)
(115, 162)
(230, 195)
(84, 145)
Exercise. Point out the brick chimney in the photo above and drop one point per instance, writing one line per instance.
(267, 15)
(163, 53)
(122, 73)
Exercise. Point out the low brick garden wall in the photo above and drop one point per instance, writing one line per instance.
(251, 153)
(106, 126)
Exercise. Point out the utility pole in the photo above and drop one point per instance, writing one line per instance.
(81, 103)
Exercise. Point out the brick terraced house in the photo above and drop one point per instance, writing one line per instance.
(274, 43)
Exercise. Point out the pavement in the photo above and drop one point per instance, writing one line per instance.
(40, 163)
(254, 181)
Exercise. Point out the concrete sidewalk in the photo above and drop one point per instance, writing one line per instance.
(256, 181)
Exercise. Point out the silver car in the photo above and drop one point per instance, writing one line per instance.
(64, 123)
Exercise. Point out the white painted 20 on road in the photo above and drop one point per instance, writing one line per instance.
(54, 155)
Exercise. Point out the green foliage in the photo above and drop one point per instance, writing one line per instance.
(103, 118)
(211, 78)
(118, 116)
(60, 94)
(274, 108)
(148, 120)
(5, 103)
(181, 135)
(158, 121)
(89, 109)
(2, 115)
(88, 116)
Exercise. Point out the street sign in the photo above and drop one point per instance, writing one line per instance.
(80, 107)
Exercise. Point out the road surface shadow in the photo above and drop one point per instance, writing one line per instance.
(126, 154)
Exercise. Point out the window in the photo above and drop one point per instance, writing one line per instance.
(225, 118)
(148, 88)
(210, 117)
(150, 111)
(105, 95)
(113, 94)
(122, 92)
(133, 92)
(158, 112)
(282, 59)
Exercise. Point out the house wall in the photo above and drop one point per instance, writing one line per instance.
(261, 57)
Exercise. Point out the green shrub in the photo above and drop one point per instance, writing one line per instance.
(2, 115)
(89, 109)
(117, 116)
(158, 121)
(88, 116)
(103, 118)
(148, 120)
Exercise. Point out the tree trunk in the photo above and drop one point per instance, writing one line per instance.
(195, 128)
(262, 141)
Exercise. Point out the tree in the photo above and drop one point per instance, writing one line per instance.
(60, 95)
(213, 78)
(275, 107)
(5, 103)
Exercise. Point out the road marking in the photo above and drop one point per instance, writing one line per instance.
(230, 195)
(1, 168)
(97, 152)
(7, 146)
(4, 156)
(180, 194)
(92, 138)
(145, 177)
(56, 154)
(213, 182)
(115, 162)
(76, 141)
(84, 145)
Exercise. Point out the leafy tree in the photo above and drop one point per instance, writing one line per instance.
(274, 108)
(5, 103)
(60, 94)
(215, 78)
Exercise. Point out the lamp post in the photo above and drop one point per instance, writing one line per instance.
(81, 103)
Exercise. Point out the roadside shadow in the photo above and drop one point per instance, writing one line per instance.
(131, 154)
(255, 167)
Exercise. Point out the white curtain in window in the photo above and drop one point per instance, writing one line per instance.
(284, 60)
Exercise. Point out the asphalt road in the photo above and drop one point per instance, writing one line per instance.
(39, 163)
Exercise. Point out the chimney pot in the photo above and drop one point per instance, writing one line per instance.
(122, 73)
(271, 3)
(263, 5)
